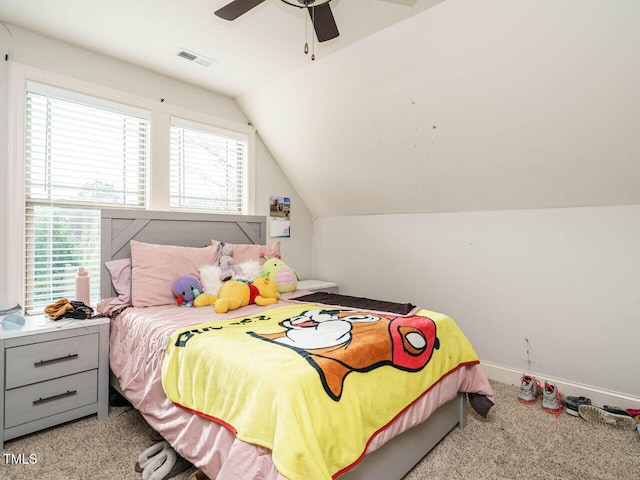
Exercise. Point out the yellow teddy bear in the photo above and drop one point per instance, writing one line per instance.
(235, 294)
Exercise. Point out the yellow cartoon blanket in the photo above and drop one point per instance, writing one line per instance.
(311, 383)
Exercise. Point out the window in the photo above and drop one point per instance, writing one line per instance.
(80, 147)
(208, 169)
(79, 157)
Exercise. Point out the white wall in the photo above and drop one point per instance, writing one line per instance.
(4, 152)
(469, 105)
(52, 56)
(296, 250)
(568, 280)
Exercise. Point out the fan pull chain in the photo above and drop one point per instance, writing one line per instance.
(306, 35)
(313, 34)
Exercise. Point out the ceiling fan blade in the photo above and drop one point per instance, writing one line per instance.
(323, 22)
(233, 10)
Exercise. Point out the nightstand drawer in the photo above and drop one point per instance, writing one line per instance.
(26, 404)
(36, 362)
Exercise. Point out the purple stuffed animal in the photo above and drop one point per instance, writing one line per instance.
(186, 288)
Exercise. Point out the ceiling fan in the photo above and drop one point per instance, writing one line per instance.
(319, 11)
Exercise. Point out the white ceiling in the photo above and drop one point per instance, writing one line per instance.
(469, 105)
(418, 105)
(263, 44)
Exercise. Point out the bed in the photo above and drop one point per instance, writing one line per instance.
(139, 335)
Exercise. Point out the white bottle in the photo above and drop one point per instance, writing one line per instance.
(83, 286)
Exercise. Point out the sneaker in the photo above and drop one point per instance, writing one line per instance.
(572, 404)
(530, 390)
(552, 399)
(616, 410)
(600, 416)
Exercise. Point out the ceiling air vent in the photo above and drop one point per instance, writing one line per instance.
(195, 58)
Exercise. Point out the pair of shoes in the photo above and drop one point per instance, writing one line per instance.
(149, 454)
(552, 399)
(600, 416)
(573, 403)
(160, 462)
(530, 390)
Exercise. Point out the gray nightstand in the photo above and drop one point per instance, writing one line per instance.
(51, 373)
(318, 286)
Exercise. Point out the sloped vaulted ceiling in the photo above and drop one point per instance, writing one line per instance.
(418, 105)
(466, 106)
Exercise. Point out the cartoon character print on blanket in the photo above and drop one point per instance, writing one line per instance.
(338, 342)
(304, 369)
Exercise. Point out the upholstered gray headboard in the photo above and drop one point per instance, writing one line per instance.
(170, 228)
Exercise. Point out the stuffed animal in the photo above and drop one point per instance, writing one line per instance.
(210, 279)
(234, 294)
(186, 289)
(229, 269)
(281, 273)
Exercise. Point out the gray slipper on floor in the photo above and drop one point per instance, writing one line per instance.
(166, 464)
(149, 454)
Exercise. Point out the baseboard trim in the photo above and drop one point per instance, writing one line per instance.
(597, 395)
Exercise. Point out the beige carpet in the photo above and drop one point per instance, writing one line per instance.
(516, 442)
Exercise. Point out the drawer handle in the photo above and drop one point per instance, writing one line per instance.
(68, 393)
(54, 360)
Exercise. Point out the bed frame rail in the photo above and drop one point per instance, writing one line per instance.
(395, 459)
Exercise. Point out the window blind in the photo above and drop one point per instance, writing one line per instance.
(78, 159)
(208, 169)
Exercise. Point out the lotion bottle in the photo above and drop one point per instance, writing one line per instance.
(83, 286)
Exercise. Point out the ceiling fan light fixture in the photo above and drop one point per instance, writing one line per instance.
(305, 3)
(319, 10)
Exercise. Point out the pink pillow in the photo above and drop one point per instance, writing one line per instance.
(120, 271)
(156, 267)
(244, 252)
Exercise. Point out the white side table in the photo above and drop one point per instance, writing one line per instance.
(318, 286)
(51, 373)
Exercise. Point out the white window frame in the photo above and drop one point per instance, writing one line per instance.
(189, 124)
(160, 113)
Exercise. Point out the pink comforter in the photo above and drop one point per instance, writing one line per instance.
(136, 354)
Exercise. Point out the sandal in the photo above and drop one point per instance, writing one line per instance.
(616, 410)
(149, 454)
(166, 465)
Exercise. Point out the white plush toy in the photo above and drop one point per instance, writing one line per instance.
(210, 279)
(210, 275)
